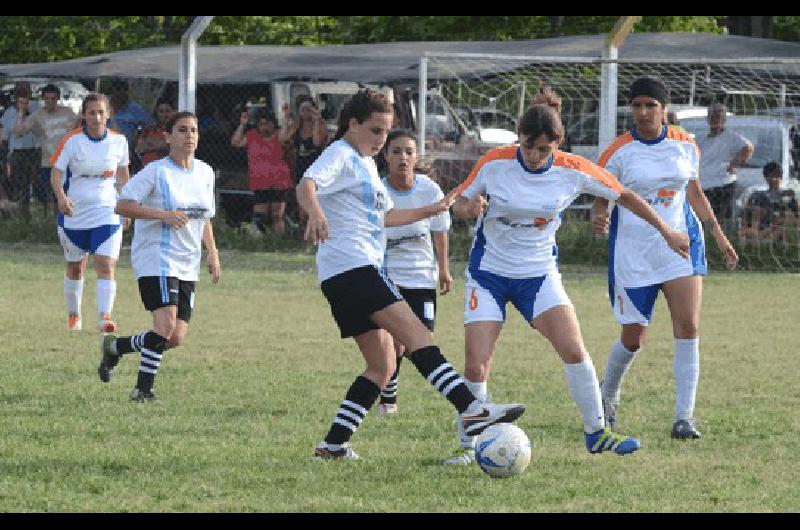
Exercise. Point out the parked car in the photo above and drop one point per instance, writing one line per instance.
(490, 126)
(72, 92)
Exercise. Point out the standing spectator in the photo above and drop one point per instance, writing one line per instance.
(49, 124)
(764, 216)
(23, 153)
(172, 200)
(127, 115)
(270, 178)
(309, 137)
(94, 161)
(152, 142)
(723, 151)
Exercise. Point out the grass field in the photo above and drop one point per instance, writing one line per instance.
(263, 371)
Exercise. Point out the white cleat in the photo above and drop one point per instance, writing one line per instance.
(387, 409)
(462, 457)
(488, 415)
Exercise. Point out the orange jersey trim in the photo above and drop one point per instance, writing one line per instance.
(615, 146)
(57, 152)
(508, 152)
(578, 163)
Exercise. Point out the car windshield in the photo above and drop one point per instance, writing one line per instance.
(766, 139)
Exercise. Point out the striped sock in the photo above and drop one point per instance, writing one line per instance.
(359, 399)
(152, 351)
(125, 345)
(389, 394)
(434, 367)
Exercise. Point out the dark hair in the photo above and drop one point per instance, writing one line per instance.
(94, 96)
(539, 119)
(118, 84)
(361, 106)
(547, 96)
(51, 89)
(649, 86)
(266, 114)
(769, 167)
(302, 98)
(394, 134)
(178, 116)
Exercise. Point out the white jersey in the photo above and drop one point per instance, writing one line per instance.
(159, 249)
(658, 171)
(354, 201)
(516, 236)
(410, 260)
(718, 151)
(90, 168)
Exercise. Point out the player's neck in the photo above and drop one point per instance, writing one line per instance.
(401, 182)
(183, 160)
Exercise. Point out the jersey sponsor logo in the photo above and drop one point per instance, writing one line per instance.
(392, 243)
(664, 198)
(108, 173)
(194, 212)
(540, 223)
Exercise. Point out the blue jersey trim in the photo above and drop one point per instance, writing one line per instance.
(95, 139)
(478, 249)
(539, 171)
(612, 243)
(697, 249)
(650, 142)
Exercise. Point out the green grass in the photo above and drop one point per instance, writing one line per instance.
(263, 371)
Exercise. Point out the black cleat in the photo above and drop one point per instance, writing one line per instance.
(108, 358)
(141, 396)
(684, 430)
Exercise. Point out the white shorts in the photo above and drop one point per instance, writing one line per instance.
(634, 305)
(487, 295)
(101, 241)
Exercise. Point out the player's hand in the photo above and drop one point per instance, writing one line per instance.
(316, 228)
(65, 206)
(126, 223)
(214, 268)
(600, 223)
(175, 218)
(285, 109)
(477, 205)
(445, 282)
(728, 252)
(244, 119)
(444, 203)
(679, 242)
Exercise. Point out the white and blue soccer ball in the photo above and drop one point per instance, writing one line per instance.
(503, 450)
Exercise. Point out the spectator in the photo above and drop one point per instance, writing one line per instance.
(794, 136)
(49, 124)
(152, 142)
(23, 153)
(723, 151)
(309, 136)
(270, 178)
(127, 115)
(764, 217)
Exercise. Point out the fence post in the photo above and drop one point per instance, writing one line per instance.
(422, 109)
(608, 99)
(187, 77)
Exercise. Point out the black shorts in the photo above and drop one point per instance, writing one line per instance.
(158, 292)
(264, 196)
(355, 295)
(423, 303)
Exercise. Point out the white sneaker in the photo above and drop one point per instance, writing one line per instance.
(322, 452)
(462, 457)
(387, 409)
(74, 322)
(488, 415)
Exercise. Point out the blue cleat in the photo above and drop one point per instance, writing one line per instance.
(605, 440)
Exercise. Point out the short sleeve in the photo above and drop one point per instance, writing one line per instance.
(600, 183)
(64, 155)
(441, 222)
(325, 169)
(476, 187)
(140, 185)
(124, 156)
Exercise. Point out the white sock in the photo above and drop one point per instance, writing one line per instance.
(106, 292)
(73, 293)
(687, 376)
(479, 389)
(619, 360)
(585, 390)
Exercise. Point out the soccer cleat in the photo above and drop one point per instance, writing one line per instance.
(387, 409)
(141, 396)
(108, 358)
(610, 413)
(605, 440)
(322, 452)
(74, 322)
(462, 457)
(488, 415)
(106, 325)
(684, 430)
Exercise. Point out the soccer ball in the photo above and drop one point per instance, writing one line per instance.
(503, 450)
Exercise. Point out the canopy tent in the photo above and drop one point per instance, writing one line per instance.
(387, 62)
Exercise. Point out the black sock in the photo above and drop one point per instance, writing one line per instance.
(357, 402)
(389, 394)
(130, 344)
(434, 367)
(260, 220)
(152, 350)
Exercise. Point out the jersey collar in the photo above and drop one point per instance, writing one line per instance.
(650, 142)
(402, 193)
(95, 139)
(539, 171)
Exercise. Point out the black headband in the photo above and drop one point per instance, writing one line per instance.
(650, 87)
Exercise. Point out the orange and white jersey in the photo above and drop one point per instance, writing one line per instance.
(516, 236)
(90, 169)
(659, 171)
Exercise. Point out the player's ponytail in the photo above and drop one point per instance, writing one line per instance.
(542, 117)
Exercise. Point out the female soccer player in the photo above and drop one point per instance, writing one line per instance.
(348, 207)
(172, 200)
(95, 160)
(410, 260)
(660, 163)
(514, 259)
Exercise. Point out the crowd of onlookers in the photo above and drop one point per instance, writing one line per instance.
(278, 155)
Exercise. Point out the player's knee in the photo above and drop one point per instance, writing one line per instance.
(686, 330)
